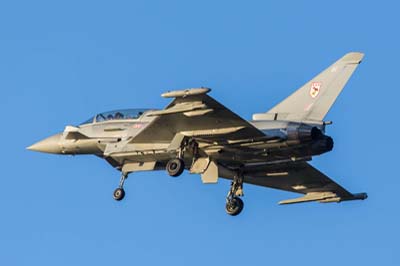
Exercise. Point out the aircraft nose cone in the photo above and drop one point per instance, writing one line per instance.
(48, 145)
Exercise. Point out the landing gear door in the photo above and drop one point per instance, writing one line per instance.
(210, 175)
(207, 168)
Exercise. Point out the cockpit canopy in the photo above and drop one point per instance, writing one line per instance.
(124, 114)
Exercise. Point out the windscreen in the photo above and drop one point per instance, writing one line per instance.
(123, 114)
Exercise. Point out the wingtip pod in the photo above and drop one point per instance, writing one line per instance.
(324, 197)
(353, 57)
(185, 93)
(358, 196)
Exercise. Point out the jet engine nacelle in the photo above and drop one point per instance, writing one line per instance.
(303, 132)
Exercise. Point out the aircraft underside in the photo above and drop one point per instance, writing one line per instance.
(239, 160)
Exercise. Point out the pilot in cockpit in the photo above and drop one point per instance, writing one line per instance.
(118, 115)
(110, 117)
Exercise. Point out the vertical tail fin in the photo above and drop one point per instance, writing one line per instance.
(316, 97)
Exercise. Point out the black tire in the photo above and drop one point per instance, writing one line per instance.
(119, 194)
(234, 206)
(175, 167)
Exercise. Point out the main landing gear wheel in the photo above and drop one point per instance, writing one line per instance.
(234, 206)
(119, 194)
(175, 167)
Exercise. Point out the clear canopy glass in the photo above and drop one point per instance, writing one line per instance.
(124, 114)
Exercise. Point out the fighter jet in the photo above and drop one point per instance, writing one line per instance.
(198, 134)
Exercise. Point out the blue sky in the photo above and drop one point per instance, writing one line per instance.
(61, 62)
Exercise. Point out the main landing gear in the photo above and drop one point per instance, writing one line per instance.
(119, 193)
(234, 204)
(175, 167)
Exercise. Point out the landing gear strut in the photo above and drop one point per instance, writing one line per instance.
(119, 193)
(234, 204)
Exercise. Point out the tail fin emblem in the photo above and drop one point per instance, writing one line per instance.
(315, 88)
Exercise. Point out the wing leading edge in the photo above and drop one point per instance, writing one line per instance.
(195, 114)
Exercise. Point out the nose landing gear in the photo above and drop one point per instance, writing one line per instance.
(119, 193)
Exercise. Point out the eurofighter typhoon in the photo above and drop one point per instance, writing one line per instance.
(198, 134)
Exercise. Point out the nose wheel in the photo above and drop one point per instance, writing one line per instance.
(119, 193)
